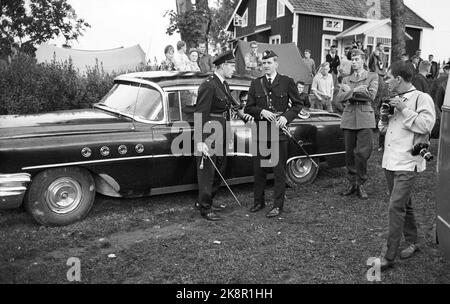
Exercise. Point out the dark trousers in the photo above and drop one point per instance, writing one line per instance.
(279, 170)
(401, 215)
(209, 180)
(358, 148)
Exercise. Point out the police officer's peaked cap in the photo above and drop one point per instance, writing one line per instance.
(269, 54)
(225, 57)
(357, 52)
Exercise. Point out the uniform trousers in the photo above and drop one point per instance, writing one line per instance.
(279, 170)
(401, 215)
(358, 148)
(209, 180)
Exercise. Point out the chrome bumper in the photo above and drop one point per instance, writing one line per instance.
(12, 189)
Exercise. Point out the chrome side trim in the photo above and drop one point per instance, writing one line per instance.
(86, 162)
(315, 155)
(12, 189)
(444, 221)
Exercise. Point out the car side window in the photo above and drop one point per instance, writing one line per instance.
(149, 105)
(188, 100)
(174, 106)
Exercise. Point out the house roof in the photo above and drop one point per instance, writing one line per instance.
(368, 27)
(349, 9)
(354, 9)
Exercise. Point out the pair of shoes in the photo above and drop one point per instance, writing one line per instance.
(362, 192)
(274, 212)
(211, 216)
(218, 207)
(409, 251)
(349, 191)
(257, 207)
(385, 264)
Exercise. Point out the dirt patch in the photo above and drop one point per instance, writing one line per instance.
(320, 238)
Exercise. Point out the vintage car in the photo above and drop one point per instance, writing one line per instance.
(54, 163)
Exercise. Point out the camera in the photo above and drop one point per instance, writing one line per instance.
(422, 150)
(386, 106)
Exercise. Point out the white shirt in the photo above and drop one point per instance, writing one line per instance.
(181, 61)
(272, 77)
(220, 77)
(323, 84)
(406, 129)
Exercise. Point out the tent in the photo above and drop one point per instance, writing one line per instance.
(289, 59)
(118, 60)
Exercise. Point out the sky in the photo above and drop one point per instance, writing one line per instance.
(116, 23)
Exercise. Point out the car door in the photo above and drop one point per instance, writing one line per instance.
(173, 153)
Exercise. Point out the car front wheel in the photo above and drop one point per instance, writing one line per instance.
(61, 196)
(301, 171)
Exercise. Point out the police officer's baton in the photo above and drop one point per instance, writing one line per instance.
(298, 143)
(223, 179)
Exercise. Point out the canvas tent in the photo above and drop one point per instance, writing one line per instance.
(118, 60)
(289, 59)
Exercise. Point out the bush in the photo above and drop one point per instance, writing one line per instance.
(28, 88)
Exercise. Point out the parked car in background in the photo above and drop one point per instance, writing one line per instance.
(55, 163)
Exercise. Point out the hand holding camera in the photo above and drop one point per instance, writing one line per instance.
(422, 150)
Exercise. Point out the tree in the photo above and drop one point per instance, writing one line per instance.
(398, 29)
(201, 22)
(38, 21)
(193, 22)
(221, 15)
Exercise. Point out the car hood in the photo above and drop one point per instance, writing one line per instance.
(62, 122)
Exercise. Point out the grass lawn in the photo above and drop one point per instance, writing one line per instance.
(320, 238)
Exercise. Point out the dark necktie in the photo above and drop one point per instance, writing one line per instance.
(269, 80)
(227, 88)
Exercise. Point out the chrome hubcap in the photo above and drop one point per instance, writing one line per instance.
(63, 195)
(301, 167)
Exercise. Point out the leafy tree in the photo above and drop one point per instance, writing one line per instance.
(221, 15)
(201, 22)
(38, 21)
(398, 29)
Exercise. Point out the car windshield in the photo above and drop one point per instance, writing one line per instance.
(130, 98)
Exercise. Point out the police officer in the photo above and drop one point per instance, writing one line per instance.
(274, 101)
(358, 91)
(213, 108)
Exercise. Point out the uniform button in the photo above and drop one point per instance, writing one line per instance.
(270, 93)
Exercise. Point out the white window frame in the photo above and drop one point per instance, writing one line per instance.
(273, 39)
(331, 37)
(281, 9)
(340, 22)
(261, 12)
(245, 19)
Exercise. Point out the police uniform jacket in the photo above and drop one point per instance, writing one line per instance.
(358, 112)
(282, 96)
(213, 101)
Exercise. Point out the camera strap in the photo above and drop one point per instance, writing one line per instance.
(415, 110)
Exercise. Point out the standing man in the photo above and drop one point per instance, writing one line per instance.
(213, 105)
(323, 88)
(358, 91)
(205, 61)
(253, 61)
(180, 58)
(310, 63)
(334, 61)
(420, 81)
(269, 98)
(411, 124)
(434, 72)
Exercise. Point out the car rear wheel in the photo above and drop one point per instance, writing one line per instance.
(62, 196)
(301, 171)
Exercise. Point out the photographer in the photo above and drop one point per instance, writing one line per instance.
(407, 119)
